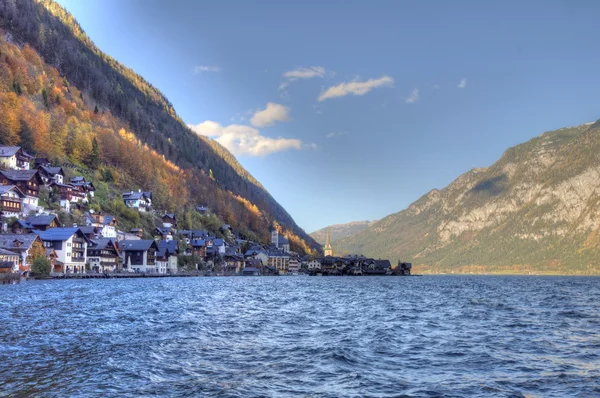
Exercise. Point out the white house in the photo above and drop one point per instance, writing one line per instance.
(314, 264)
(142, 201)
(14, 157)
(107, 223)
(166, 257)
(70, 245)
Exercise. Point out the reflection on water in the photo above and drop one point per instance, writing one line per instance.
(302, 336)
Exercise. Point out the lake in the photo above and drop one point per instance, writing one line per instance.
(302, 337)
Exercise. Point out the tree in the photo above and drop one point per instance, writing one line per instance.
(95, 155)
(10, 124)
(41, 266)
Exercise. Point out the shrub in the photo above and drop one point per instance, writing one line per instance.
(41, 266)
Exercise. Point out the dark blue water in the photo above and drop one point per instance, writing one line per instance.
(302, 336)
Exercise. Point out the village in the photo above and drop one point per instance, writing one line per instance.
(99, 248)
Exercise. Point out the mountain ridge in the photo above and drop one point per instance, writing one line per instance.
(532, 211)
(339, 231)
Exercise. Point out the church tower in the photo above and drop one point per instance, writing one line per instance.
(327, 249)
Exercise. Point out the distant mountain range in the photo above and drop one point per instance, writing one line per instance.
(340, 231)
(536, 210)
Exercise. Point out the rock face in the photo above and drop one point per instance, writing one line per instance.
(340, 231)
(537, 209)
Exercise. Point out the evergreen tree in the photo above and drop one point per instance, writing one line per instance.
(95, 155)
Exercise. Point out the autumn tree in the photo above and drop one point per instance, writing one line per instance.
(10, 123)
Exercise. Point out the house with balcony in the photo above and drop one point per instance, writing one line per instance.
(11, 201)
(51, 174)
(24, 246)
(70, 245)
(28, 181)
(139, 255)
(103, 255)
(141, 201)
(14, 157)
(108, 224)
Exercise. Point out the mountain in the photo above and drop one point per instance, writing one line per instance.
(536, 210)
(340, 231)
(64, 99)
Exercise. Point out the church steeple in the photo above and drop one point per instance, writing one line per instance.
(327, 249)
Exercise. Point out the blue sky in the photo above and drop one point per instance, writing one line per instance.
(352, 110)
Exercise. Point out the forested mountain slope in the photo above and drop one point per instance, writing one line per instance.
(537, 209)
(340, 231)
(60, 94)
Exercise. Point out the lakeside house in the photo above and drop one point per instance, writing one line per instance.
(139, 255)
(166, 257)
(103, 255)
(9, 261)
(70, 245)
(24, 246)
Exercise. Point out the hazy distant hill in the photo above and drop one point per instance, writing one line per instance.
(340, 231)
(536, 209)
(61, 97)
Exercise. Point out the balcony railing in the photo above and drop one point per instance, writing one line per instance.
(78, 259)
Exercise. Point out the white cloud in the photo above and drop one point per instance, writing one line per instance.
(356, 88)
(271, 114)
(245, 140)
(463, 83)
(305, 73)
(301, 73)
(335, 134)
(206, 68)
(413, 97)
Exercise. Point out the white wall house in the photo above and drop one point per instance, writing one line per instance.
(70, 245)
(15, 158)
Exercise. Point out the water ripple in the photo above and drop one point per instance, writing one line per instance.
(302, 336)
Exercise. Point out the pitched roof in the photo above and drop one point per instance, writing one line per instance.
(7, 188)
(88, 230)
(52, 170)
(6, 151)
(218, 242)
(101, 244)
(59, 234)
(78, 179)
(163, 230)
(131, 195)
(19, 175)
(4, 252)
(129, 245)
(165, 247)
(43, 220)
(7, 240)
(169, 215)
(198, 242)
